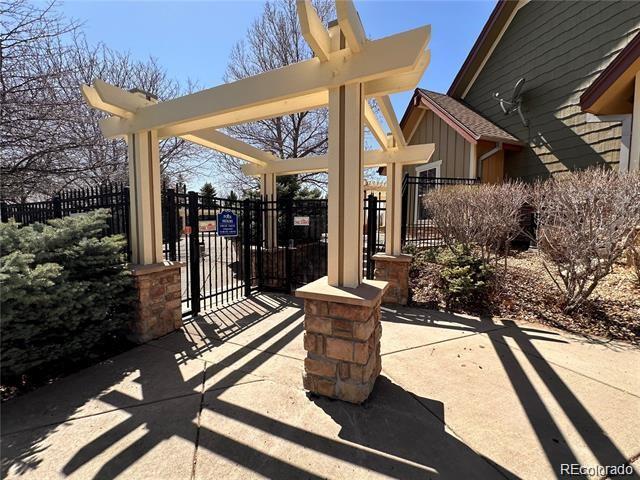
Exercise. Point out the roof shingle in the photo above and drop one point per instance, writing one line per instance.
(475, 124)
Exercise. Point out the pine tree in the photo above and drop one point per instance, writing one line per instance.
(208, 193)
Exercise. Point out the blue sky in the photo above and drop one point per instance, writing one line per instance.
(192, 40)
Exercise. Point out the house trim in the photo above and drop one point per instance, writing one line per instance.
(422, 168)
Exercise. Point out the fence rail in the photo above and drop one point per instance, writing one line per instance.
(418, 228)
(114, 197)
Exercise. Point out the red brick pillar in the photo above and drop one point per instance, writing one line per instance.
(395, 270)
(158, 305)
(342, 339)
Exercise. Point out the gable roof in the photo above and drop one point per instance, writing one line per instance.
(491, 32)
(459, 116)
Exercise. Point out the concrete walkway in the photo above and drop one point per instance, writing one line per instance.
(459, 398)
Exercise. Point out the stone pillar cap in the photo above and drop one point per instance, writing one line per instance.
(403, 257)
(367, 294)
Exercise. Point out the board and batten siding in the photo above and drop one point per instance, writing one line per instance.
(560, 48)
(450, 147)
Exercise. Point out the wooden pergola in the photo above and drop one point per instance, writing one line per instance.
(347, 70)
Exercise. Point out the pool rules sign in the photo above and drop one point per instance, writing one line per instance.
(227, 224)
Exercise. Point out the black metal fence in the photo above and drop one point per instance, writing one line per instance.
(418, 228)
(114, 197)
(375, 224)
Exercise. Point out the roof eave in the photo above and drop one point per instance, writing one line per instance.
(491, 30)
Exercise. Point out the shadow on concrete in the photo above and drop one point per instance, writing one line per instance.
(394, 434)
(555, 445)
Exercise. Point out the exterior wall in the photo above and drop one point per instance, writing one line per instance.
(451, 147)
(560, 48)
(492, 169)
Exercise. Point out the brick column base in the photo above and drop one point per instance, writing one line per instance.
(158, 305)
(395, 270)
(342, 339)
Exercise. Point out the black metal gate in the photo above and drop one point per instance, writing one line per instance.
(280, 245)
(217, 269)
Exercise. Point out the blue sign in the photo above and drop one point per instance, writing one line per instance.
(227, 224)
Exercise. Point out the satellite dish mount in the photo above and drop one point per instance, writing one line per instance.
(515, 103)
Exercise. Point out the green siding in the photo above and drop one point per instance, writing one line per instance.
(560, 48)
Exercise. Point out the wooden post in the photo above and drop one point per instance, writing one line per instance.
(269, 191)
(144, 191)
(393, 237)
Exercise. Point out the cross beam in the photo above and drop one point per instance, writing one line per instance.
(114, 100)
(410, 155)
(262, 95)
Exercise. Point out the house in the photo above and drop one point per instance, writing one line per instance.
(577, 65)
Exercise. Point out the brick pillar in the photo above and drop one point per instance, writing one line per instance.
(158, 306)
(395, 270)
(342, 338)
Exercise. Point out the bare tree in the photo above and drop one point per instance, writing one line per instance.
(49, 138)
(483, 217)
(586, 220)
(273, 41)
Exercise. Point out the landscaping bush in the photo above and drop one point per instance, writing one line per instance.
(64, 294)
(464, 277)
(586, 220)
(484, 217)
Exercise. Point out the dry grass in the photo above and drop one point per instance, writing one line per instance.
(526, 292)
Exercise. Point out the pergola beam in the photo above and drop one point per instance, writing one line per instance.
(410, 155)
(114, 100)
(374, 126)
(313, 30)
(384, 102)
(392, 55)
(350, 25)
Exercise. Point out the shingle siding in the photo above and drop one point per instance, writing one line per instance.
(560, 48)
(450, 146)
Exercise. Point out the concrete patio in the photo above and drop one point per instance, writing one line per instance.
(459, 397)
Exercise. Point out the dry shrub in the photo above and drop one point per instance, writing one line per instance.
(586, 220)
(486, 217)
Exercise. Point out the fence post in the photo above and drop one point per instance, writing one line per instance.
(246, 243)
(194, 254)
(372, 230)
(172, 220)
(57, 206)
(4, 215)
(405, 206)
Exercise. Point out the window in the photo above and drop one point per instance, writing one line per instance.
(428, 170)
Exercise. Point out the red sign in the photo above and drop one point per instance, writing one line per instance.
(186, 230)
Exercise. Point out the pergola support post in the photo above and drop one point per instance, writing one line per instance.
(158, 306)
(269, 192)
(393, 265)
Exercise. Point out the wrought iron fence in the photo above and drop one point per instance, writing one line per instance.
(114, 197)
(418, 228)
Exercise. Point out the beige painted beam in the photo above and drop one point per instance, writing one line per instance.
(350, 25)
(634, 158)
(93, 99)
(398, 83)
(380, 58)
(269, 191)
(373, 124)
(413, 154)
(112, 99)
(313, 30)
(344, 194)
(384, 102)
(144, 198)
(393, 206)
(215, 140)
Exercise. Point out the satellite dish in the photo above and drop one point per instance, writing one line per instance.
(515, 103)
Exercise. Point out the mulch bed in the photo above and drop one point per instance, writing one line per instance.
(525, 292)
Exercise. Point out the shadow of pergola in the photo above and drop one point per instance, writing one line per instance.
(386, 436)
(556, 447)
